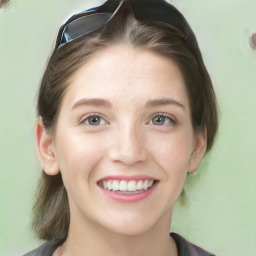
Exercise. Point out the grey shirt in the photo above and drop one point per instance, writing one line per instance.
(184, 248)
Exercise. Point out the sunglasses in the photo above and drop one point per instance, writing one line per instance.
(154, 12)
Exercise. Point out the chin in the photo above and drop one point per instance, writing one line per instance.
(130, 229)
(132, 225)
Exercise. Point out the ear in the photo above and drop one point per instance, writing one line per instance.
(45, 149)
(199, 150)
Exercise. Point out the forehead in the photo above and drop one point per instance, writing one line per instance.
(123, 73)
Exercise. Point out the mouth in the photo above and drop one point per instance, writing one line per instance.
(128, 190)
(127, 187)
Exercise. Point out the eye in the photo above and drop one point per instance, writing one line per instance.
(162, 119)
(94, 120)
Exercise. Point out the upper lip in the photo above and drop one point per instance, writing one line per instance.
(127, 178)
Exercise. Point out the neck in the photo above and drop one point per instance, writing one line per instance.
(95, 240)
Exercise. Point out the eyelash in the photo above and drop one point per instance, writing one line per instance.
(172, 120)
(97, 115)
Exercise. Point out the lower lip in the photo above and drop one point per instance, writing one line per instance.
(129, 198)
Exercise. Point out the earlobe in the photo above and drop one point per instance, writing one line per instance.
(45, 149)
(199, 150)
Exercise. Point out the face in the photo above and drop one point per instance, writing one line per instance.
(124, 140)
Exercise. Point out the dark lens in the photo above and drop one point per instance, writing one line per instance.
(83, 26)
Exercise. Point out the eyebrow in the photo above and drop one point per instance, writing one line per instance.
(105, 103)
(164, 101)
(92, 102)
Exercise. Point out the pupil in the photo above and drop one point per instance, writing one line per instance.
(159, 120)
(94, 120)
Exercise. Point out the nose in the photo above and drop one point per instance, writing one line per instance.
(128, 146)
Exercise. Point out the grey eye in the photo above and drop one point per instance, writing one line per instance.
(161, 120)
(95, 120)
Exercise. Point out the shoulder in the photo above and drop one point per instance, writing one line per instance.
(185, 248)
(46, 249)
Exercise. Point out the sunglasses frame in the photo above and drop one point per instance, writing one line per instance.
(153, 12)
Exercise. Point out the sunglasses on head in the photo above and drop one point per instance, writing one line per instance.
(152, 12)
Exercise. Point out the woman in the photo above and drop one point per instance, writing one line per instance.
(126, 109)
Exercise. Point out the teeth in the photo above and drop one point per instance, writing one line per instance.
(132, 185)
(145, 185)
(140, 185)
(150, 183)
(105, 184)
(109, 185)
(124, 186)
(115, 185)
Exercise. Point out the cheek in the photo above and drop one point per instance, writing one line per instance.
(173, 152)
(76, 147)
(77, 156)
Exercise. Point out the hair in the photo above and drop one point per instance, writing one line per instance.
(51, 208)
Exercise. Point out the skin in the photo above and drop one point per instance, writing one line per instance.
(127, 141)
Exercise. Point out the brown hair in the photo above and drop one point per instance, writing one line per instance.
(51, 209)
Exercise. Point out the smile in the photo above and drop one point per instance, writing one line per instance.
(127, 189)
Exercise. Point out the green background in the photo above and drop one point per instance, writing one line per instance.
(218, 208)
